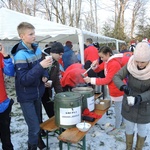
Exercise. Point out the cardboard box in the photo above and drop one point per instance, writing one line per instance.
(105, 105)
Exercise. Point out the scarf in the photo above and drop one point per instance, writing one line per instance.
(143, 74)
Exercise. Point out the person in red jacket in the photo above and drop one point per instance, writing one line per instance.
(111, 65)
(6, 67)
(72, 77)
(90, 54)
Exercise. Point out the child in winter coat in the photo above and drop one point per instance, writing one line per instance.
(111, 65)
(7, 68)
(31, 75)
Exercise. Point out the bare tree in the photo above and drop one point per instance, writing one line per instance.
(96, 21)
(136, 8)
(120, 7)
(77, 9)
(74, 13)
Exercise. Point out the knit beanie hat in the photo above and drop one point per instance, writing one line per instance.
(57, 48)
(68, 43)
(142, 52)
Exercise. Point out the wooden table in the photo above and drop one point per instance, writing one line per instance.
(73, 135)
(70, 135)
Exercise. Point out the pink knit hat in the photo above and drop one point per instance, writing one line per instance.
(142, 52)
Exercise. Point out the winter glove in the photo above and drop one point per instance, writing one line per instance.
(126, 89)
(137, 100)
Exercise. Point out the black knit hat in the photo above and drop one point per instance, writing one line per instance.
(57, 48)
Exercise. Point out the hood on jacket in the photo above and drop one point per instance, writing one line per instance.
(115, 56)
(66, 49)
(21, 46)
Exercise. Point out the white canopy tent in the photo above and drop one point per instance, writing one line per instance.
(46, 31)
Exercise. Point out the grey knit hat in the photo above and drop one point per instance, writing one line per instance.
(142, 52)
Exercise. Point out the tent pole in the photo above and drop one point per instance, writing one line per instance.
(81, 45)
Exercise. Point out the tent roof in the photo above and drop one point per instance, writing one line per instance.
(45, 30)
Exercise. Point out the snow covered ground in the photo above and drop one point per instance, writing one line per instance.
(96, 138)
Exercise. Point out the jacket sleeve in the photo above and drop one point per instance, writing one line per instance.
(56, 80)
(118, 78)
(8, 66)
(100, 67)
(28, 74)
(112, 69)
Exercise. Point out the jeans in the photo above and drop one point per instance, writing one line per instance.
(119, 118)
(141, 128)
(31, 111)
(5, 120)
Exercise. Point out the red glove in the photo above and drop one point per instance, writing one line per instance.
(86, 112)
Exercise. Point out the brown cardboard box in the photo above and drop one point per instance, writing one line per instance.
(103, 106)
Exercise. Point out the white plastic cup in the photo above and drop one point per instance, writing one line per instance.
(97, 101)
(130, 100)
(102, 103)
(50, 82)
(48, 57)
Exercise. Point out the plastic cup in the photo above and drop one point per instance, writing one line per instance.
(50, 82)
(130, 100)
(102, 103)
(48, 57)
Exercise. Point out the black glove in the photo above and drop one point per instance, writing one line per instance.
(126, 89)
(137, 100)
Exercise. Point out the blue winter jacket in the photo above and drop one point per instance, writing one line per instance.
(29, 72)
(68, 57)
(9, 71)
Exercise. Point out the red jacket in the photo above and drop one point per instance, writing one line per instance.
(91, 53)
(72, 75)
(3, 95)
(111, 67)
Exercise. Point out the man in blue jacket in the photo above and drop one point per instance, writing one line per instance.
(69, 56)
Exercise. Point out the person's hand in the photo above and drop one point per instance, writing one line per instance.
(48, 84)
(45, 63)
(94, 64)
(2, 50)
(137, 100)
(87, 79)
(126, 89)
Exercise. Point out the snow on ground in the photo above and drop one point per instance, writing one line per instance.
(96, 138)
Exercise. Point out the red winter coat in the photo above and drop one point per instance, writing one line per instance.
(72, 75)
(91, 53)
(111, 67)
(3, 95)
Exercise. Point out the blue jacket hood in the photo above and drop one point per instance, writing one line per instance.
(21, 46)
(66, 49)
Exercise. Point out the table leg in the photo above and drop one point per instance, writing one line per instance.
(68, 145)
(84, 143)
(60, 142)
(47, 139)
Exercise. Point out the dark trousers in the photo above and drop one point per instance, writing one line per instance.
(48, 104)
(5, 120)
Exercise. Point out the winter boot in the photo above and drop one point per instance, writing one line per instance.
(140, 142)
(129, 141)
(41, 144)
